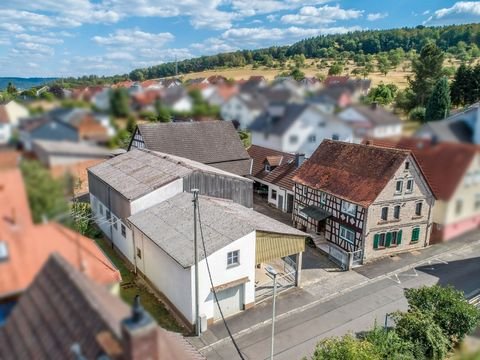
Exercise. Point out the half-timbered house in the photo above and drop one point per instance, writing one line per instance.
(363, 201)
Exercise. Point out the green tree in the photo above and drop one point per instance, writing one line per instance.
(297, 74)
(417, 114)
(131, 124)
(389, 345)
(438, 106)
(427, 70)
(420, 329)
(382, 94)
(46, 195)
(384, 65)
(448, 308)
(345, 348)
(335, 69)
(11, 88)
(119, 102)
(163, 114)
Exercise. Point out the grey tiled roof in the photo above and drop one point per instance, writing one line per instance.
(72, 148)
(170, 225)
(138, 172)
(208, 142)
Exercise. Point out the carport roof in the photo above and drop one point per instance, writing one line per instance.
(170, 225)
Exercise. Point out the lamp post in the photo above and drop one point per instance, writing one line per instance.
(198, 329)
(272, 272)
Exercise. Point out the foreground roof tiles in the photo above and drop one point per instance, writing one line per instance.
(63, 307)
(29, 245)
(356, 173)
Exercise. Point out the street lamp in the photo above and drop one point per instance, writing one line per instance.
(272, 272)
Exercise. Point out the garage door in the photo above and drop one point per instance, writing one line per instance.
(230, 300)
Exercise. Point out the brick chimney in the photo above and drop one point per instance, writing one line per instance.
(140, 335)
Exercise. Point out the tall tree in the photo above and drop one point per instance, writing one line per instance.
(11, 89)
(46, 195)
(438, 106)
(119, 102)
(460, 84)
(427, 69)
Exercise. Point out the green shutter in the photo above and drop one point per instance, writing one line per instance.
(389, 239)
(375, 241)
(399, 237)
(415, 234)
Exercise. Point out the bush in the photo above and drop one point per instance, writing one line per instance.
(417, 114)
(421, 329)
(345, 348)
(389, 345)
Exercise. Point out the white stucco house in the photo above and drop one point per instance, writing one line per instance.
(371, 121)
(10, 115)
(243, 108)
(297, 128)
(164, 252)
(142, 201)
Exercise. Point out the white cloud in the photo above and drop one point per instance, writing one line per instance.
(250, 8)
(376, 16)
(426, 12)
(252, 37)
(133, 38)
(213, 46)
(39, 39)
(321, 15)
(32, 49)
(10, 27)
(460, 12)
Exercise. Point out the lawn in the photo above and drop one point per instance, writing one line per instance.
(131, 286)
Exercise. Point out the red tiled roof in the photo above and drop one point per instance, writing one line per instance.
(123, 84)
(226, 91)
(282, 174)
(9, 159)
(148, 97)
(30, 245)
(356, 173)
(444, 164)
(147, 83)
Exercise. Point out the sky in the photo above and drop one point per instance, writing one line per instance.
(105, 37)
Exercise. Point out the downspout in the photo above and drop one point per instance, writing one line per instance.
(364, 233)
(129, 224)
(429, 222)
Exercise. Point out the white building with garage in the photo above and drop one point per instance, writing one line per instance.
(239, 243)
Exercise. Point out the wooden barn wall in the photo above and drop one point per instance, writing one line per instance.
(237, 190)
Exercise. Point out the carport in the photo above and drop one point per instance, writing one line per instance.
(284, 253)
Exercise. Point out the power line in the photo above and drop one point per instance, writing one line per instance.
(211, 283)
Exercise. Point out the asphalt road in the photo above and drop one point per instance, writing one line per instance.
(297, 335)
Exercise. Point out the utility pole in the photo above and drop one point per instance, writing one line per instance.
(273, 273)
(197, 305)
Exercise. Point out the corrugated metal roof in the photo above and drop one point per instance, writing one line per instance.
(170, 225)
(141, 171)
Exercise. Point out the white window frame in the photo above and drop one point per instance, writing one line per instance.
(407, 190)
(421, 208)
(343, 234)
(323, 198)
(233, 258)
(399, 211)
(384, 218)
(273, 192)
(301, 213)
(349, 208)
(114, 222)
(397, 192)
(3, 251)
(123, 230)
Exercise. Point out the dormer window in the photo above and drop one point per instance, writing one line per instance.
(407, 165)
(267, 167)
(3, 251)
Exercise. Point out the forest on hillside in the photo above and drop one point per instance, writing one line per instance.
(460, 41)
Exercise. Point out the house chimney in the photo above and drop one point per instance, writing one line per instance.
(299, 159)
(140, 334)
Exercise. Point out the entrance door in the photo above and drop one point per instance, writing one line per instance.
(289, 203)
(280, 202)
(321, 227)
(230, 301)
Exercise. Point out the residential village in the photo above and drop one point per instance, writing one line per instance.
(280, 189)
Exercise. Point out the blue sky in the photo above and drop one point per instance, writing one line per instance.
(105, 37)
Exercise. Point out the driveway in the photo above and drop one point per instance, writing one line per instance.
(260, 205)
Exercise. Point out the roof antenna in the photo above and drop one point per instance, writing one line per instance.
(77, 352)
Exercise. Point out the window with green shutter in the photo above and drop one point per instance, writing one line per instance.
(415, 234)
(389, 239)
(375, 241)
(399, 237)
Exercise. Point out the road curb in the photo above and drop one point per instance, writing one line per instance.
(302, 308)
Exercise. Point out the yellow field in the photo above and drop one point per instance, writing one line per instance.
(397, 76)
